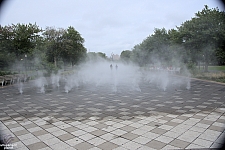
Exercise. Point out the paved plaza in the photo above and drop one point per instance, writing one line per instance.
(95, 118)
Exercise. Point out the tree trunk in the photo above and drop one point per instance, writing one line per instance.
(206, 66)
(55, 61)
(206, 61)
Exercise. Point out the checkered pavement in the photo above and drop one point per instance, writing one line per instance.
(96, 118)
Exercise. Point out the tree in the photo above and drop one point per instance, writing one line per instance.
(177, 50)
(102, 55)
(54, 41)
(74, 50)
(17, 41)
(93, 56)
(5, 44)
(204, 34)
(155, 48)
(160, 44)
(20, 38)
(126, 55)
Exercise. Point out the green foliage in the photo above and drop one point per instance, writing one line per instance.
(74, 50)
(2, 73)
(19, 39)
(66, 45)
(92, 56)
(156, 48)
(16, 42)
(204, 35)
(192, 68)
(53, 39)
(50, 50)
(200, 39)
(217, 68)
(126, 55)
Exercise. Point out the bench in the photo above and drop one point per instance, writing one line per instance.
(21, 77)
(8, 79)
(2, 80)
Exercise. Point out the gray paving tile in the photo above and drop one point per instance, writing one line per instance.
(130, 136)
(21, 132)
(36, 146)
(128, 128)
(216, 128)
(197, 115)
(156, 144)
(179, 143)
(41, 132)
(98, 132)
(70, 129)
(60, 146)
(107, 146)
(65, 137)
(13, 125)
(158, 131)
(83, 146)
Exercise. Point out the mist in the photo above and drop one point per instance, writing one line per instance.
(109, 76)
(104, 74)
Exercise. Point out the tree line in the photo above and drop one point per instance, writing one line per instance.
(200, 39)
(43, 48)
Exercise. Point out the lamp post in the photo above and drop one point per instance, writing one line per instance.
(26, 64)
(112, 56)
(203, 62)
(21, 65)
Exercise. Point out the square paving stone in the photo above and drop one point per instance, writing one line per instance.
(70, 129)
(164, 139)
(158, 131)
(171, 123)
(31, 125)
(36, 146)
(60, 146)
(98, 132)
(130, 136)
(13, 125)
(41, 132)
(179, 143)
(83, 146)
(31, 141)
(132, 145)
(96, 141)
(74, 141)
(107, 146)
(21, 132)
(45, 137)
(51, 141)
(108, 136)
(128, 128)
(216, 128)
(65, 137)
(156, 144)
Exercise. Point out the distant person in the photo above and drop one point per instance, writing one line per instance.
(116, 67)
(111, 66)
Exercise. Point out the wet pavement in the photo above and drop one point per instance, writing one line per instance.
(90, 117)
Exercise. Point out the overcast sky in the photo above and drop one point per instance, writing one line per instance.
(108, 26)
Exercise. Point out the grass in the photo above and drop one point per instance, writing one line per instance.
(217, 68)
(216, 73)
(212, 76)
(213, 68)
